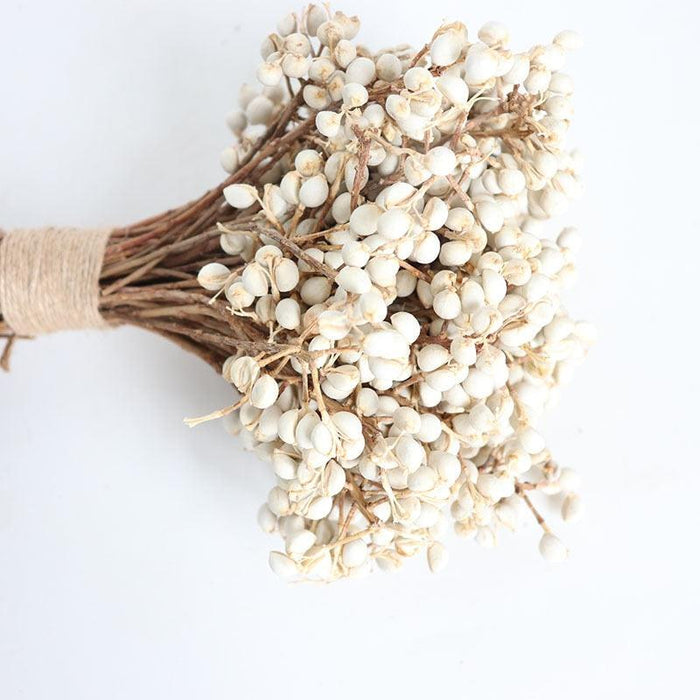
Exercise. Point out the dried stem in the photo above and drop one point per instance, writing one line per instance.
(538, 517)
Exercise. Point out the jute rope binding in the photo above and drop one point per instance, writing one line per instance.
(49, 279)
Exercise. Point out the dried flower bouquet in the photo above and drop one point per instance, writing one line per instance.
(379, 277)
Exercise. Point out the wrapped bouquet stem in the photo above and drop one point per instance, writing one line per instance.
(379, 277)
(145, 274)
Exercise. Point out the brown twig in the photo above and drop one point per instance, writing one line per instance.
(362, 160)
(7, 352)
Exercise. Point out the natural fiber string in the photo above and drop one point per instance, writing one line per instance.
(49, 279)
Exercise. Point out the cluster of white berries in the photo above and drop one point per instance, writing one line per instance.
(402, 265)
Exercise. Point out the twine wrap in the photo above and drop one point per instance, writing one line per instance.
(49, 279)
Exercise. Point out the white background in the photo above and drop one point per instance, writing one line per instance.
(131, 565)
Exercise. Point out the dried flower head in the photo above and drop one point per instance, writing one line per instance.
(404, 274)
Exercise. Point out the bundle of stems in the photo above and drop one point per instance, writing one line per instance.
(149, 273)
(151, 278)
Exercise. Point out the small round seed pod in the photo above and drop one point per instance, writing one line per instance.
(354, 280)
(286, 275)
(308, 162)
(344, 53)
(426, 249)
(365, 219)
(265, 392)
(572, 508)
(269, 74)
(454, 89)
(361, 70)
(213, 276)
(229, 159)
(333, 325)
(288, 314)
(240, 196)
(568, 40)
(552, 548)
(315, 17)
(494, 34)
(316, 97)
(430, 357)
(315, 290)
(354, 95)
(328, 123)
(238, 296)
(354, 553)
(295, 66)
(255, 280)
(406, 324)
(314, 192)
(321, 69)
(437, 557)
(418, 79)
(447, 304)
(455, 253)
(267, 519)
(394, 224)
(300, 542)
(480, 66)
(446, 48)
(297, 43)
(388, 67)
(440, 160)
(283, 566)
(319, 508)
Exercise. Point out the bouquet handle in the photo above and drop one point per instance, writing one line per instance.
(49, 279)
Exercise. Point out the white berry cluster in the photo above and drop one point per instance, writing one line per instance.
(402, 264)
